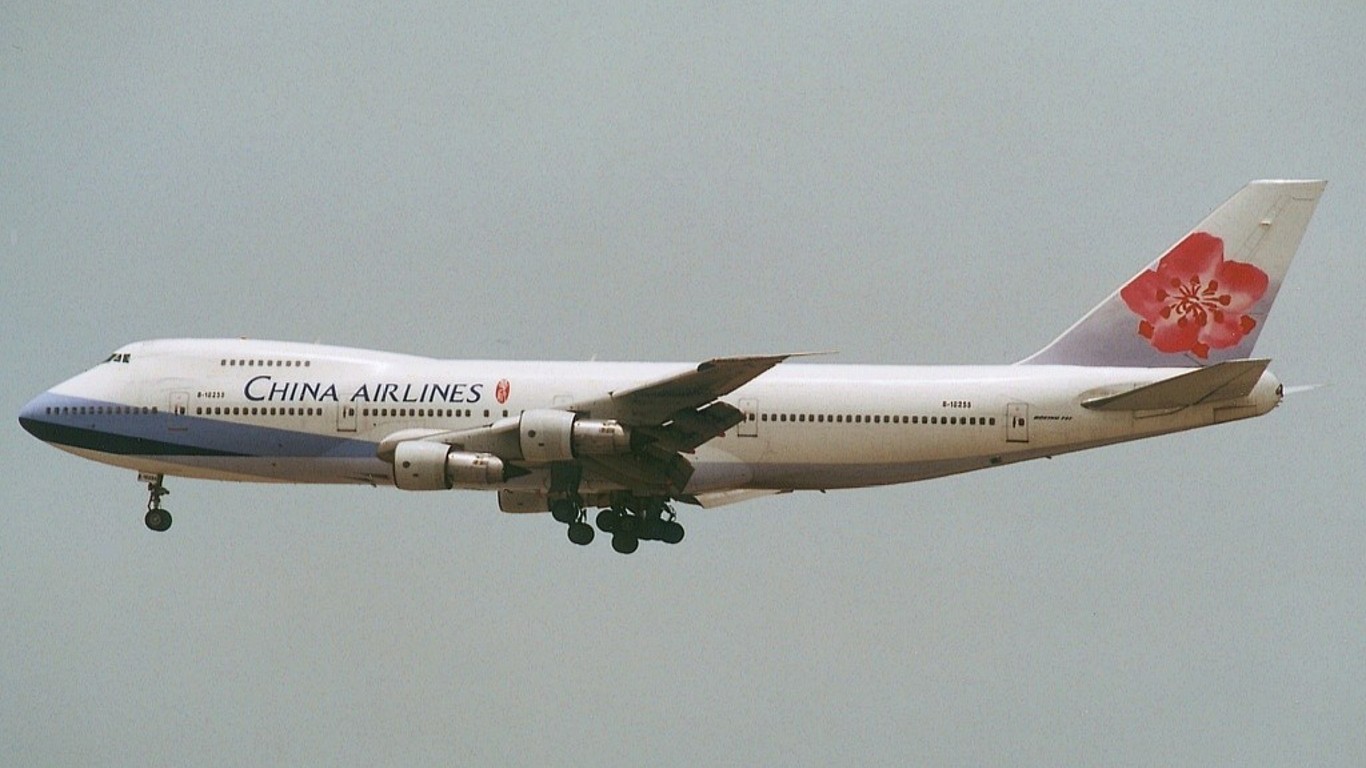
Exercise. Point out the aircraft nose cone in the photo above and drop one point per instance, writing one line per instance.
(29, 416)
(37, 416)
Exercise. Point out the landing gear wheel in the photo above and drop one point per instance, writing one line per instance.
(625, 543)
(581, 533)
(671, 532)
(158, 519)
(607, 520)
(564, 511)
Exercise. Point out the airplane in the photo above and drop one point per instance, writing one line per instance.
(1169, 350)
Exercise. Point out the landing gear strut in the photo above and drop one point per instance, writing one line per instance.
(157, 518)
(566, 505)
(629, 520)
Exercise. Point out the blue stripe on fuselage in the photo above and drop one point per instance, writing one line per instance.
(103, 427)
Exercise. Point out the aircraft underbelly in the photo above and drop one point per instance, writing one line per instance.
(256, 469)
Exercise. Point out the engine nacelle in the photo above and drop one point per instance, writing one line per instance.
(551, 435)
(423, 465)
(594, 437)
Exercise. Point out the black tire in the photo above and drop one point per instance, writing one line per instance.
(672, 533)
(627, 524)
(607, 520)
(581, 533)
(158, 520)
(625, 543)
(564, 511)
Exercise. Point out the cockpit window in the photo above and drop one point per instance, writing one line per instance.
(120, 357)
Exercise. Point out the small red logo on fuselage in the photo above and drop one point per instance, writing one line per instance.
(500, 393)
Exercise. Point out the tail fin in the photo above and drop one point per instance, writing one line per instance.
(1206, 299)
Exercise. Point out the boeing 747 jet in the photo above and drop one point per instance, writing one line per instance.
(1169, 350)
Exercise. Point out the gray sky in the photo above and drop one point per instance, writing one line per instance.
(626, 181)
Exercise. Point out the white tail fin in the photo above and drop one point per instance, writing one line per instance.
(1207, 298)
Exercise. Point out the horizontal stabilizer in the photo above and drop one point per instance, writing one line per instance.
(1222, 381)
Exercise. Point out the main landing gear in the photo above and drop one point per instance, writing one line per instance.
(569, 512)
(628, 524)
(157, 518)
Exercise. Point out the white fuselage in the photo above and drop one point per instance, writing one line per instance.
(287, 412)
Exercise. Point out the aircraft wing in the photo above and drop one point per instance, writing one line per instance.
(667, 418)
(654, 403)
(673, 416)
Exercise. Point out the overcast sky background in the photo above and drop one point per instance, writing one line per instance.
(629, 181)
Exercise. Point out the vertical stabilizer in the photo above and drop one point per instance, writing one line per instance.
(1207, 298)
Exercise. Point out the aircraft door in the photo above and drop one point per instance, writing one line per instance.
(750, 426)
(179, 406)
(1017, 423)
(346, 417)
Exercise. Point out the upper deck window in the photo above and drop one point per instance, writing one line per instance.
(120, 357)
(268, 363)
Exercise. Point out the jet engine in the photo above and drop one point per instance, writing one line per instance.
(421, 465)
(546, 436)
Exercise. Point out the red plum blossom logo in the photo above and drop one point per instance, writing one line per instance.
(1195, 300)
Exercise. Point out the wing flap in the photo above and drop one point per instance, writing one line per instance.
(650, 469)
(1228, 380)
(689, 429)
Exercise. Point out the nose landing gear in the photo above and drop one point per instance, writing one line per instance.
(156, 518)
